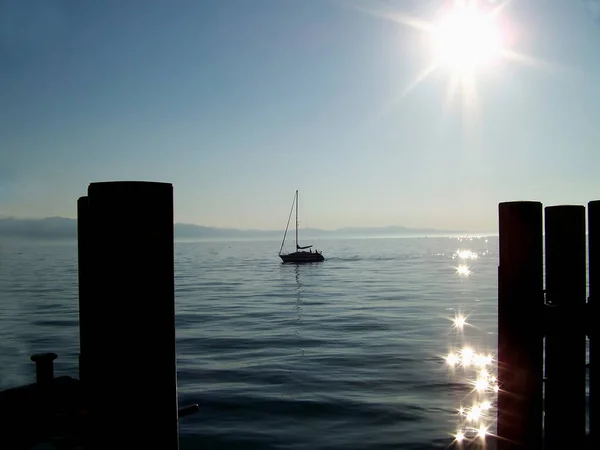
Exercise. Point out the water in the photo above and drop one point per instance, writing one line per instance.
(343, 354)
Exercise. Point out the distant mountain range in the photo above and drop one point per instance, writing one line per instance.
(65, 228)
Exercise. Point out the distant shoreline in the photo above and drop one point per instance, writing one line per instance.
(54, 228)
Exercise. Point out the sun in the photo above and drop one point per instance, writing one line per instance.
(467, 39)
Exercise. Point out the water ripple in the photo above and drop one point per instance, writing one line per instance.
(344, 354)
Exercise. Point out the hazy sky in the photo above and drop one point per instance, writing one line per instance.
(238, 103)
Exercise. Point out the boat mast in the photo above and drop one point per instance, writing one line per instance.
(296, 219)
(287, 226)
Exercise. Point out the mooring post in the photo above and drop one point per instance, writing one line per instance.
(592, 317)
(565, 403)
(86, 322)
(520, 338)
(44, 368)
(130, 356)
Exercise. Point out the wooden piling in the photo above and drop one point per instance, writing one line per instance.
(592, 317)
(520, 338)
(86, 322)
(565, 404)
(131, 312)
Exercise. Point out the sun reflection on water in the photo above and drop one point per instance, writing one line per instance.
(475, 420)
(463, 270)
(465, 254)
(474, 367)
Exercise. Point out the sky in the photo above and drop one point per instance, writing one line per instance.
(239, 103)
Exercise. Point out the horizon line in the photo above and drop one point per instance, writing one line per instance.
(352, 227)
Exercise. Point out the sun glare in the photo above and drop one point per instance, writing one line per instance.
(467, 39)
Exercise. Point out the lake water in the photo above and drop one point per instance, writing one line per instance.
(344, 354)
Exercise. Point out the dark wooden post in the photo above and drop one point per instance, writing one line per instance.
(85, 325)
(44, 368)
(131, 355)
(520, 338)
(594, 299)
(565, 337)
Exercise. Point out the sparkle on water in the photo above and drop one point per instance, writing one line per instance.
(463, 270)
(476, 368)
(459, 322)
(465, 254)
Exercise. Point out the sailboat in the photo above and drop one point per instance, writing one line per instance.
(300, 255)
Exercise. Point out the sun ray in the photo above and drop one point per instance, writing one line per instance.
(470, 106)
(531, 61)
(499, 8)
(396, 17)
(411, 22)
(453, 85)
(422, 76)
(419, 78)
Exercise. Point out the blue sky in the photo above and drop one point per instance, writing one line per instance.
(239, 103)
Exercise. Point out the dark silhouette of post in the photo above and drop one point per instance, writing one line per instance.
(128, 321)
(44, 368)
(86, 322)
(520, 335)
(592, 316)
(565, 403)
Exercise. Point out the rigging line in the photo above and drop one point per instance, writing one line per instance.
(287, 226)
(305, 224)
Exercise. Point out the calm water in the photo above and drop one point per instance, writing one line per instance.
(343, 354)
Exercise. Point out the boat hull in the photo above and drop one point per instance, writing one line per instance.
(302, 257)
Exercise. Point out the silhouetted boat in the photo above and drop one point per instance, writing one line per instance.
(300, 255)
